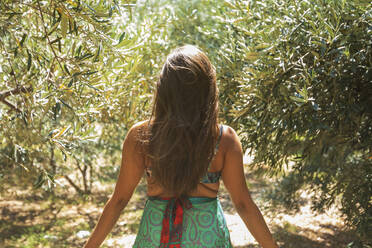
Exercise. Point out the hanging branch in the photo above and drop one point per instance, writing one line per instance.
(83, 172)
(11, 106)
(12, 72)
(71, 182)
(47, 36)
(16, 91)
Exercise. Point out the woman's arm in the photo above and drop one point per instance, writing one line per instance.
(131, 171)
(234, 180)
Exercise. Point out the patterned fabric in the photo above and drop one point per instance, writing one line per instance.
(213, 177)
(202, 224)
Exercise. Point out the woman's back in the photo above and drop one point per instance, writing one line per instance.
(195, 220)
(209, 184)
(176, 148)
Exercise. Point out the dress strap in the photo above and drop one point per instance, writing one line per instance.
(219, 139)
(217, 145)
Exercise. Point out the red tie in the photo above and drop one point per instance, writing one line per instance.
(171, 232)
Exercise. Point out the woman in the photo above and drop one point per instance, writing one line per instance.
(183, 152)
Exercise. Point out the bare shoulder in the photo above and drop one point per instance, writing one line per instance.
(228, 131)
(135, 132)
(138, 127)
(230, 138)
(140, 124)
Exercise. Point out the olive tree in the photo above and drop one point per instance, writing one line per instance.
(69, 87)
(304, 101)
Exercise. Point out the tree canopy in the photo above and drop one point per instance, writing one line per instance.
(294, 80)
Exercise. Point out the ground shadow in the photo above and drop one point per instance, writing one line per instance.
(41, 215)
(334, 237)
(16, 222)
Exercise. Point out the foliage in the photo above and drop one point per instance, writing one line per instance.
(82, 73)
(305, 99)
(69, 87)
(294, 80)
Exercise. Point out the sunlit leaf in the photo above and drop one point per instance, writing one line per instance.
(64, 25)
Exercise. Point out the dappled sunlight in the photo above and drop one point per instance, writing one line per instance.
(293, 80)
(71, 218)
(238, 232)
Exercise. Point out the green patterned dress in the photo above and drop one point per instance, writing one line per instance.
(204, 224)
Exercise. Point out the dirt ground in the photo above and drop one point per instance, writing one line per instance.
(66, 219)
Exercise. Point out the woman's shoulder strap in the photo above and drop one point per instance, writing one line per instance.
(217, 145)
(219, 139)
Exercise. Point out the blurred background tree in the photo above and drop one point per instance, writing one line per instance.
(71, 80)
(294, 80)
(304, 100)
